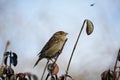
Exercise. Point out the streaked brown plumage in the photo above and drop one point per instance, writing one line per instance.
(53, 46)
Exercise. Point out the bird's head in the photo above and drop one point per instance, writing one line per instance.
(61, 33)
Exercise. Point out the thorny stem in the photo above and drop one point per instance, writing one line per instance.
(74, 47)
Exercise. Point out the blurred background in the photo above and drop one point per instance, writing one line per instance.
(28, 25)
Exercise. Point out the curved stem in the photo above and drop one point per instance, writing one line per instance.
(75, 47)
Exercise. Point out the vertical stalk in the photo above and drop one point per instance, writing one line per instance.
(44, 70)
(10, 59)
(115, 77)
(6, 47)
(74, 47)
(115, 68)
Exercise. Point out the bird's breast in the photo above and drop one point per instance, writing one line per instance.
(51, 52)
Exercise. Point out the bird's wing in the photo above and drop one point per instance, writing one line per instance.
(53, 40)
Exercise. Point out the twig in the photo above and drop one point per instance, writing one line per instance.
(4, 54)
(74, 47)
(116, 66)
(10, 59)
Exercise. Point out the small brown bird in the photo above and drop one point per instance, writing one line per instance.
(53, 46)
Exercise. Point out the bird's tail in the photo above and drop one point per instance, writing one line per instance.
(37, 61)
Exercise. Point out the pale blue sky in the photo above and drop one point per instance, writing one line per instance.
(29, 24)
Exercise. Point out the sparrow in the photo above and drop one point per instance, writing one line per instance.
(53, 47)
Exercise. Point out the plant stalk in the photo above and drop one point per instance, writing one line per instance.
(4, 54)
(115, 68)
(74, 47)
(10, 59)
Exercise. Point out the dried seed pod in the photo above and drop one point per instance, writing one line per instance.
(89, 27)
(53, 68)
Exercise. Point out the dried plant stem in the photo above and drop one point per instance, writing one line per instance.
(6, 47)
(118, 76)
(74, 47)
(115, 77)
(10, 59)
(115, 68)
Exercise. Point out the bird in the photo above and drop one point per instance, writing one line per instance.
(53, 47)
(92, 4)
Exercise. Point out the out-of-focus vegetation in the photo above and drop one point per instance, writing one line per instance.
(8, 73)
(112, 74)
(10, 60)
(6, 70)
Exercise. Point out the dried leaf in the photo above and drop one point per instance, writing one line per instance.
(6, 71)
(89, 27)
(6, 54)
(13, 61)
(107, 75)
(5, 60)
(12, 56)
(2, 68)
(9, 71)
